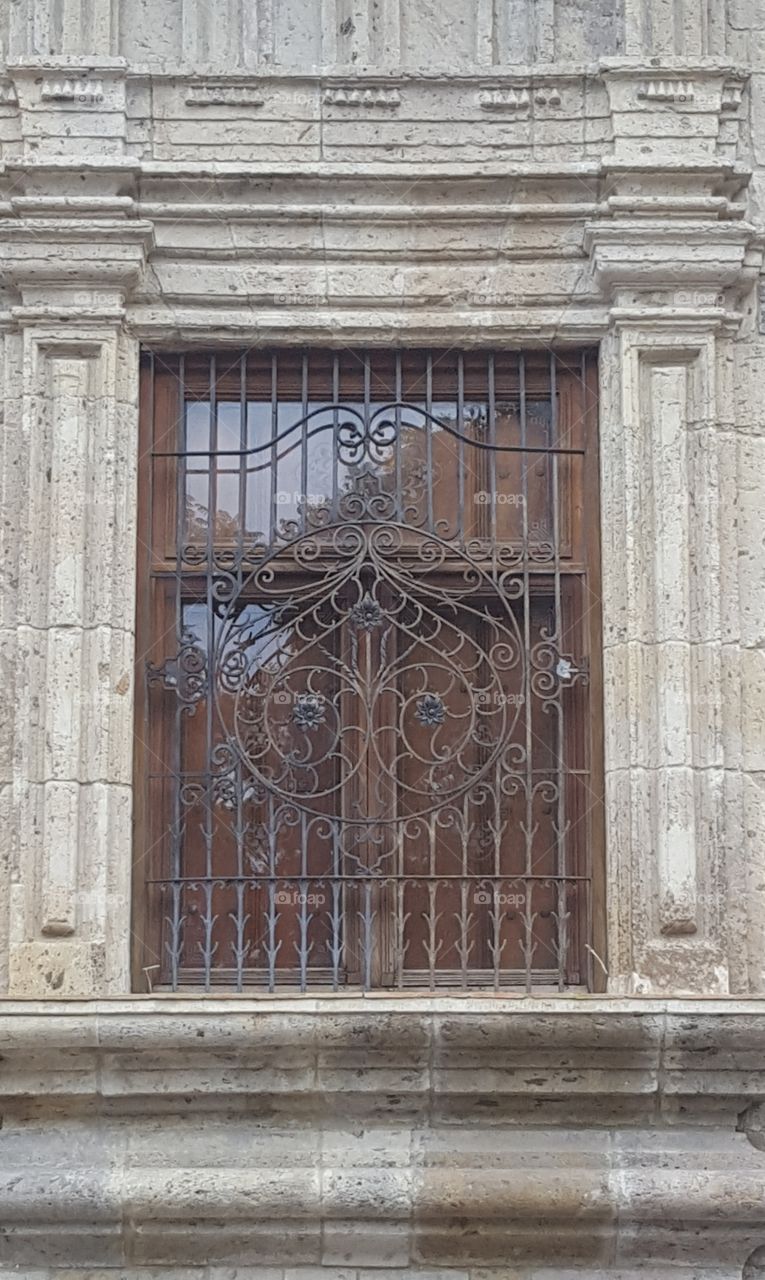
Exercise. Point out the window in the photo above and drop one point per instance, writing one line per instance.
(368, 745)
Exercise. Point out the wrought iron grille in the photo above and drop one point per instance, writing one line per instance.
(369, 600)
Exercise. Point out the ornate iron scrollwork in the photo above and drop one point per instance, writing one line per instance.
(380, 786)
(186, 673)
(388, 631)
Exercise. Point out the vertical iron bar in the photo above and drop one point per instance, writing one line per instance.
(432, 931)
(304, 921)
(339, 907)
(175, 946)
(429, 437)
(496, 922)
(560, 832)
(367, 388)
(460, 531)
(274, 453)
(492, 424)
(271, 888)
(180, 528)
(397, 392)
(368, 934)
(528, 925)
(211, 516)
(527, 705)
(242, 525)
(304, 829)
(464, 931)
(334, 463)
(240, 948)
(238, 773)
(400, 932)
(272, 948)
(304, 444)
(336, 949)
(587, 868)
(209, 923)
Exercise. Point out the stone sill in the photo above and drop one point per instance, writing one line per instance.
(513, 1058)
(501, 1002)
(424, 1131)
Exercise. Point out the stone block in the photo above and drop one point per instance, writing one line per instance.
(376, 1245)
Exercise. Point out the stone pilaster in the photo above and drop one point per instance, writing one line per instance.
(71, 434)
(665, 460)
(677, 265)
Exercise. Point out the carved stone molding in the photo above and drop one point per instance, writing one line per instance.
(107, 250)
(81, 92)
(666, 90)
(356, 96)
(673, 114)
(71, 108)
(223, 95)
(673, 254)
(732, 94)
(73, 643)
(518, 99)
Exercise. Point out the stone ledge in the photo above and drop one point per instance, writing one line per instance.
(519, 1059)
(415, 1272)
(200, 1189)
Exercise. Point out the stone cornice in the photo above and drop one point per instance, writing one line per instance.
(670, 65)
(72, 253)
(338, 73)
(68, 64)
(672, 258)
(181, 321)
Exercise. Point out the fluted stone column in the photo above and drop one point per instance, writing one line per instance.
(49, 28)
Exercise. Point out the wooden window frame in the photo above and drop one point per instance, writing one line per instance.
(159, 406)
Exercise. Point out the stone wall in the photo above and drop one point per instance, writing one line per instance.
(388, 171)
(442, 1137)
(553, 204)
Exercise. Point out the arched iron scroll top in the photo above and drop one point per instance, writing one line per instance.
(365, 431)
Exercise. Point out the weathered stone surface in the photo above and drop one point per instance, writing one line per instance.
(184, 1173)
(405, 172)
